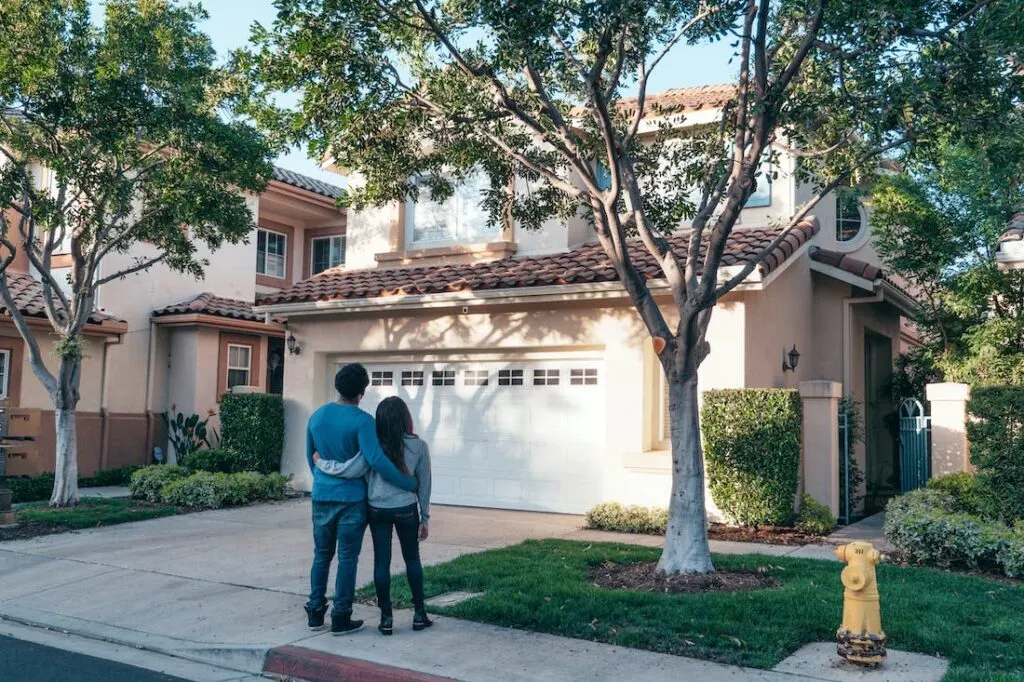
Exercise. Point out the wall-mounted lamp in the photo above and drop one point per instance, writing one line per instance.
(793, 357)
(293, 345)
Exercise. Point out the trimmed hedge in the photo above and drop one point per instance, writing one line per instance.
(252, 426)
(148, 484)
(996, 434)
(752, 450)
(215, 461)
(926, 528)
(205, 489)
(815, 517)
(965, 490)
(617, 518)
(38, 488)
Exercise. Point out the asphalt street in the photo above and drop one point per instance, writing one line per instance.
(22, 661)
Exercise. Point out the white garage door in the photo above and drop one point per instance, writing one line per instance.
(511, 435)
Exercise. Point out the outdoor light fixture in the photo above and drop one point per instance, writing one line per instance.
(293, 345)
(794, 358)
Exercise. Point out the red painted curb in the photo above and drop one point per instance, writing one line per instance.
(317, 666)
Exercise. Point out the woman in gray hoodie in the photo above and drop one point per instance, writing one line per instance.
(391, 507)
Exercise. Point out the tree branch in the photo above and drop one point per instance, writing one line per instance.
(138, 267)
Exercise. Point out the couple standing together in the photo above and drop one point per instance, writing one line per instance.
(365, 472)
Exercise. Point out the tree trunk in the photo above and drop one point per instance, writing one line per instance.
(686, 539)
(65, 485)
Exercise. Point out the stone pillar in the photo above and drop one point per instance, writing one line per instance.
(821, 441)
(950, 451)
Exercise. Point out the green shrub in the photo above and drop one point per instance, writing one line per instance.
(752, 448)
(617, 518)
(996, 434)
(148, 484)
(924, 526)
(209, 490)
(1011, 554)
(965, 490)
(815, 517)
(34, 489)
(217, 461)
(252, 425)
(109, 477)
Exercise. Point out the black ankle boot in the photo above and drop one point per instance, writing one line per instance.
(420, 620)
(387, 624)
(344, 624)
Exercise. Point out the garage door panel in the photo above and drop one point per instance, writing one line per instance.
(536, 445)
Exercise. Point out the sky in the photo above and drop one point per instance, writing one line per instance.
(230, 21)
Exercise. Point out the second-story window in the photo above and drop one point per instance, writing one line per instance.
(271, 248)
(460, 219)
(848, 217)
(328, 252)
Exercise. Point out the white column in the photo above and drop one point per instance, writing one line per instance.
(950, 450)
(821, 441)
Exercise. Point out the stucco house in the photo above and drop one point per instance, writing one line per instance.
(525, 365)
(162, 340)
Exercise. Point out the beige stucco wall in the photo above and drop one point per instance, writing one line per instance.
(192, 370)
(34, 396)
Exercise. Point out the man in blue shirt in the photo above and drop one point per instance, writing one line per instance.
(339, 431)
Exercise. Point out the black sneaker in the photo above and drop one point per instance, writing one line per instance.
(420, 621)
(387, 625)
(315, 617)
(343, 624)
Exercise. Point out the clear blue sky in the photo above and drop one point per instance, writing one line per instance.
(230, 21)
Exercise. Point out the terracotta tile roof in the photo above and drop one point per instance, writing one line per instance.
(847, 263)
(685, 99)
(1015, 229)
(28, 295)
(208, 304)
(307, 183)
(587, 264)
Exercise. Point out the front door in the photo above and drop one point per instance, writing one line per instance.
(882, 476)
(275, 365)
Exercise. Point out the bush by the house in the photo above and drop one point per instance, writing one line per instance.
(815, 518)
(148, 484)
(617, 518)
(38, 488)
(926, 528)
(252, 426)
(109, 477)
(216, 461)
(752, 448)
(996, 434)
(964, 489)
(207, 490)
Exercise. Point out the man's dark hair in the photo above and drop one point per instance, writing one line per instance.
(351, 381)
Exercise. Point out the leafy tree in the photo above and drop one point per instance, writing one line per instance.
(938, 225)
(418, 94)
(124, 118)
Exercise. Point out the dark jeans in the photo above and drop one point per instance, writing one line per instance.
(406, 522)
(341, 525)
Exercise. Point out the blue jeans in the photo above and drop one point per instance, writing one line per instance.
(341, 525)
(406, 522)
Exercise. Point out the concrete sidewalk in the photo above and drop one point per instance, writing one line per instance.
(225, 587)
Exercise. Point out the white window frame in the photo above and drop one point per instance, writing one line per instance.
(237, 368)
(858, 238)
(454, 210)
(584, 376)
(263, 264)
(511, 377)
(547, 377)
(330, 240)
(443, 377)
(383, 377)
(476, 377)
(5, 381)
(412, 377)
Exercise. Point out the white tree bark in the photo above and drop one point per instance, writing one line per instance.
(686, 539)
(65, 486)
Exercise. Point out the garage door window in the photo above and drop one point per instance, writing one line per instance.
(382, 378)
(476, 377)
(510, 377)
(444, 378)
(583, 377)
(412, 378)
(545, 377)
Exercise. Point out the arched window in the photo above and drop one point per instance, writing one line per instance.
(849, 221)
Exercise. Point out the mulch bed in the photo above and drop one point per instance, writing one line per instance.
(29, 529)
(645, 578)
(768, 535)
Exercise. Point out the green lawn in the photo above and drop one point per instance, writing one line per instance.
(91, 512)
(543, 586)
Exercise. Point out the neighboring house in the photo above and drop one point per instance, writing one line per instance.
(1010, 248)
(179, 343)
(526, 367)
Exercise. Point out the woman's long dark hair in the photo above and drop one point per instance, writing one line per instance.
(394, 423)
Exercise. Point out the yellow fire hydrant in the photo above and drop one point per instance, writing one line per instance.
(861, 639)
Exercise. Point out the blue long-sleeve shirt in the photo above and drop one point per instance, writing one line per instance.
(340, 432)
